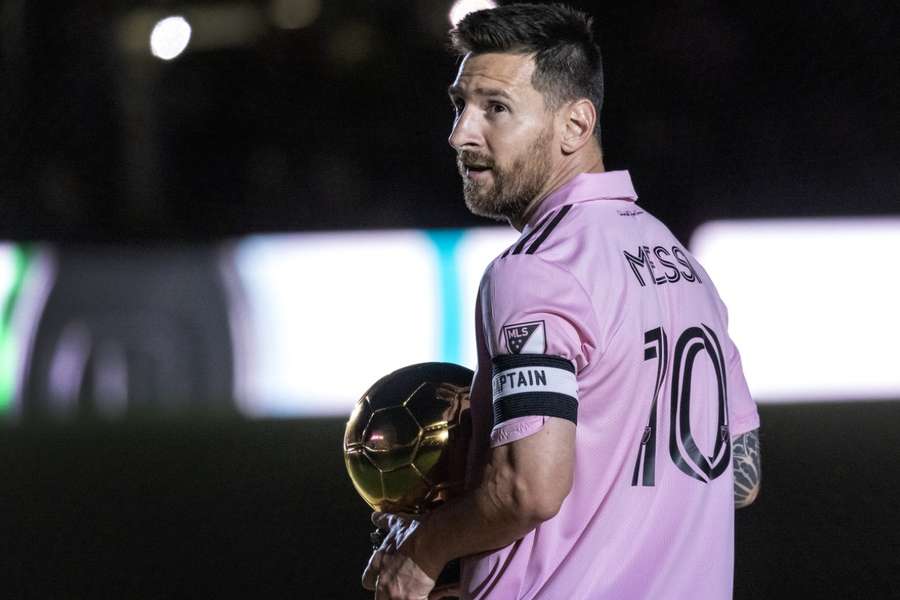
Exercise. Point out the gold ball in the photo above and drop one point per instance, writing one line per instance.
(406, 439)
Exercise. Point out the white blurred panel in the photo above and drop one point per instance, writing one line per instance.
(814, 304)
(476, 250)
(7, 270)
(331, 313)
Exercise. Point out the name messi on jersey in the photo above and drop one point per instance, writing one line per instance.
(519, 379)
(643, 264)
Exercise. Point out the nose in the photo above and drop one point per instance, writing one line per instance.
(466, 134)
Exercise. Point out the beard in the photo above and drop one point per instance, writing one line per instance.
(511, 190)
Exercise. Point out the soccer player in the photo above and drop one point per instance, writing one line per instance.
(613, 430)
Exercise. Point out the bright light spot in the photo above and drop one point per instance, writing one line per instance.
(812, 304)
(170, 37)
(332, 313)
(294, 14)
(463, 7)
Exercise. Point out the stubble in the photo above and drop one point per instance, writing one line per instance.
(513, 189)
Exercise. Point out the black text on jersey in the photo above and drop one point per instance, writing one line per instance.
(530, 378)
(669, 273)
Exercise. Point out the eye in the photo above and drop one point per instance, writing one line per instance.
(496, 108)
(457, 105)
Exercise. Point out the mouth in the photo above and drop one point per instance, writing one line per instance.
(476, 172)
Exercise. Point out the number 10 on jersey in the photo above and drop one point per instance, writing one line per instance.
(683, 449)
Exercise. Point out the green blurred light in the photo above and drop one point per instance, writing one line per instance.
(13, 265)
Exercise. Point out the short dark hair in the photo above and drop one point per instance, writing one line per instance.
(568, 65)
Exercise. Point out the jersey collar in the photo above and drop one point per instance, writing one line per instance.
(610, 185)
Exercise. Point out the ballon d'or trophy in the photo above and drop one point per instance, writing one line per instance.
(406, 440)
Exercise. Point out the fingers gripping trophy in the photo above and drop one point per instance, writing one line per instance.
(406, 441)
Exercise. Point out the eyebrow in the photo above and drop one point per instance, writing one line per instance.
(455, 90)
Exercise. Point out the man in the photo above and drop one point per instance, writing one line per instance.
(609, 406)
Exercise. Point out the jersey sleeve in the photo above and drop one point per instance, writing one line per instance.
(743, 415)
(537, 320)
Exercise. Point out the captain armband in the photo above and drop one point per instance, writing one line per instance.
(534, 385)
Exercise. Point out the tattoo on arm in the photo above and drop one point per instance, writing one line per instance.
(745, 452)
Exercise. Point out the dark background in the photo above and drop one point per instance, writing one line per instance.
(221, 508)
(750, 109)
(744, 109)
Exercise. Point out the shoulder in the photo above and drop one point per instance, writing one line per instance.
(544, 254)
(527, 273)
(519, 287)
(549, 230)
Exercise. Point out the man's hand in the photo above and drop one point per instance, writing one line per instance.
(524, 484)
(392, 572)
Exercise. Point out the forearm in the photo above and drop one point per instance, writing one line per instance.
(747, 468)
(523, 484)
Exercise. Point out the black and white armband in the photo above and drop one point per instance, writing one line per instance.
(534, 385)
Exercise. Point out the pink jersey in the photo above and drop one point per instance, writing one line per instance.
(654, 380)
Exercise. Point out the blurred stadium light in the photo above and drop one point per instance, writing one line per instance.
(7, 270)
(9, 279)
(314, 319)
(814, 308)
(294, 14)
(170, 37)
(224, 25)
(203, 27)
(102, 329)
(23, 299)
(463, 7)
(331, 313)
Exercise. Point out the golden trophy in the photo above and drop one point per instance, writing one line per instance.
(406, 440)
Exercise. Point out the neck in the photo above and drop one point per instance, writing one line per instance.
(587, 162)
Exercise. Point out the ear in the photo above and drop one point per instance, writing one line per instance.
(579, 119)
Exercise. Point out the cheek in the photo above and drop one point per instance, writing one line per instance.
(514, 140)
(506, 147)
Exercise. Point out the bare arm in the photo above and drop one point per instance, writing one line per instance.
(747, 473)
(524, 484)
